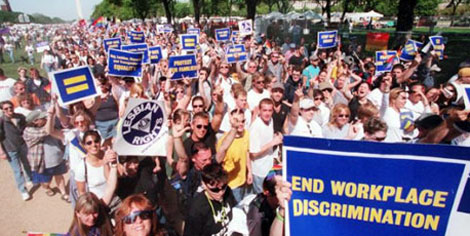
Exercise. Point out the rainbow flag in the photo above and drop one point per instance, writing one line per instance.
(44, 234)
(100, 22)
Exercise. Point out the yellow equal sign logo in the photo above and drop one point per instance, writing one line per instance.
(75, 88)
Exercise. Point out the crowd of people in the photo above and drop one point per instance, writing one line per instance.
(220, 173)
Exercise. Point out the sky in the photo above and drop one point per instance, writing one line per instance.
(64, 9)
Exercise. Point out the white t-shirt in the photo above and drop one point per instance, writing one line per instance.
(225, 126)
(417, 109)
(254, 98)
(96, 180)
(6, 87)
(394, 132)
(379, 99)
(261, 134)
(305, 129)
(76, 155)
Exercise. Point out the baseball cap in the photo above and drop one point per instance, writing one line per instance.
(278, 85)
(306, 103)
(34, 115)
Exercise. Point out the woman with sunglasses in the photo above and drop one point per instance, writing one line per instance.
(137, 217)
(339, 127)
(90, 217)
(210, 211)
(94, 174)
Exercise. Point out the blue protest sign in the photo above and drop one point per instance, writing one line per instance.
(124, 63)
(466, 96)
(185, 65)
(235, 51)
(141, 47)
(193, 31)
(406, 119)
(235, 37)
(384, 60)
(112, 43)
(438, 45)
(73, 85)
(409, 51)
(222, 35)
(342, 187)
(155, 54)
(327, 39)
(189, 42)
(137, 37)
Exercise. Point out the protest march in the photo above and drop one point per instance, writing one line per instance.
(153, 129)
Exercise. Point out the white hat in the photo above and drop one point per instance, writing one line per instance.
(306, 103)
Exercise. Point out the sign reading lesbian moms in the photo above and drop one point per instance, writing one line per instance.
(74, 85)
(137, 37)
(112, 43)
(236, 51)
(327, 39)
(438, 45)
(384, 60)
(222, 35)
(183, 66)
(141, 47)
(142, 130)
(124, 63)
(155, 54)
(343, 187)
(189, 42)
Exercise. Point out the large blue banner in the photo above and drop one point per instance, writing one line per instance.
(235, 51)
(74, 85)
(137, 37)
(155, 54)
(185, 65)
(327, 39)
(124, 63)
(141, 47)
(222, 35)
(368, 188)
(189, 42)
(384, 60)
(438, 45)
(112, 43)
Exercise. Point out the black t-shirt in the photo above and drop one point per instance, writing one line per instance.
(144, 182)
(279, 118)
(295, 60)
(209, 140)
(205, 220)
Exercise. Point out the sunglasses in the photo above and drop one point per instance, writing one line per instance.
(317, 99)
(79, 122)
(202, 126)
(131, 218)
(217, 189)
(224, 67)
(198, 106)
(343, 116)
(90, 142)
(260, 82)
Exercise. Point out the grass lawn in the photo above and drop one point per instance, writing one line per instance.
(10, 68)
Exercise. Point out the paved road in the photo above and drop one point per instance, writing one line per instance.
(40, 214)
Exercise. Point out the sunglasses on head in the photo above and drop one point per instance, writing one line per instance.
(202, 126)
(217, 189)
(131, 218)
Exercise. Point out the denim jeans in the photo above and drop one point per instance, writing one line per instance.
(107, 128)
(16, 160)
(240, 192)
(258, 184)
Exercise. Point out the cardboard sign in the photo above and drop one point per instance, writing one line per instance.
(235, 51)
(438, 45)
(327, 39)
(155, 54)
(185, 65)
(384, 60)
(124, 63)
(137, 37)
(245, 27)
(222, 35)
(142, 131)
(74, 85)
(189, 42)
(343, 187)
(408, 52)
(141, 47)
(112, 43)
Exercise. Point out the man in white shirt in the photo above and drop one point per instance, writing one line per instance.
(379, 96)
(303, 125)
(417, 102)
(262, 143)
(257, 93)
(6, 87)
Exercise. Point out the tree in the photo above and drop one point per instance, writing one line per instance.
(166, 6)
(197, 9)
(283, 6)
(405, 15)
(251, 9)
(454, 4)
(141, 8)
(326, 6)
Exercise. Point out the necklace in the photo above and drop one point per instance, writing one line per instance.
(217, 218)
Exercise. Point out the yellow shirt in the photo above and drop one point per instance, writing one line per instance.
(235, 159)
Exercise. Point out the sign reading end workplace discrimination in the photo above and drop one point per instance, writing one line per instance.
(361, 188)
